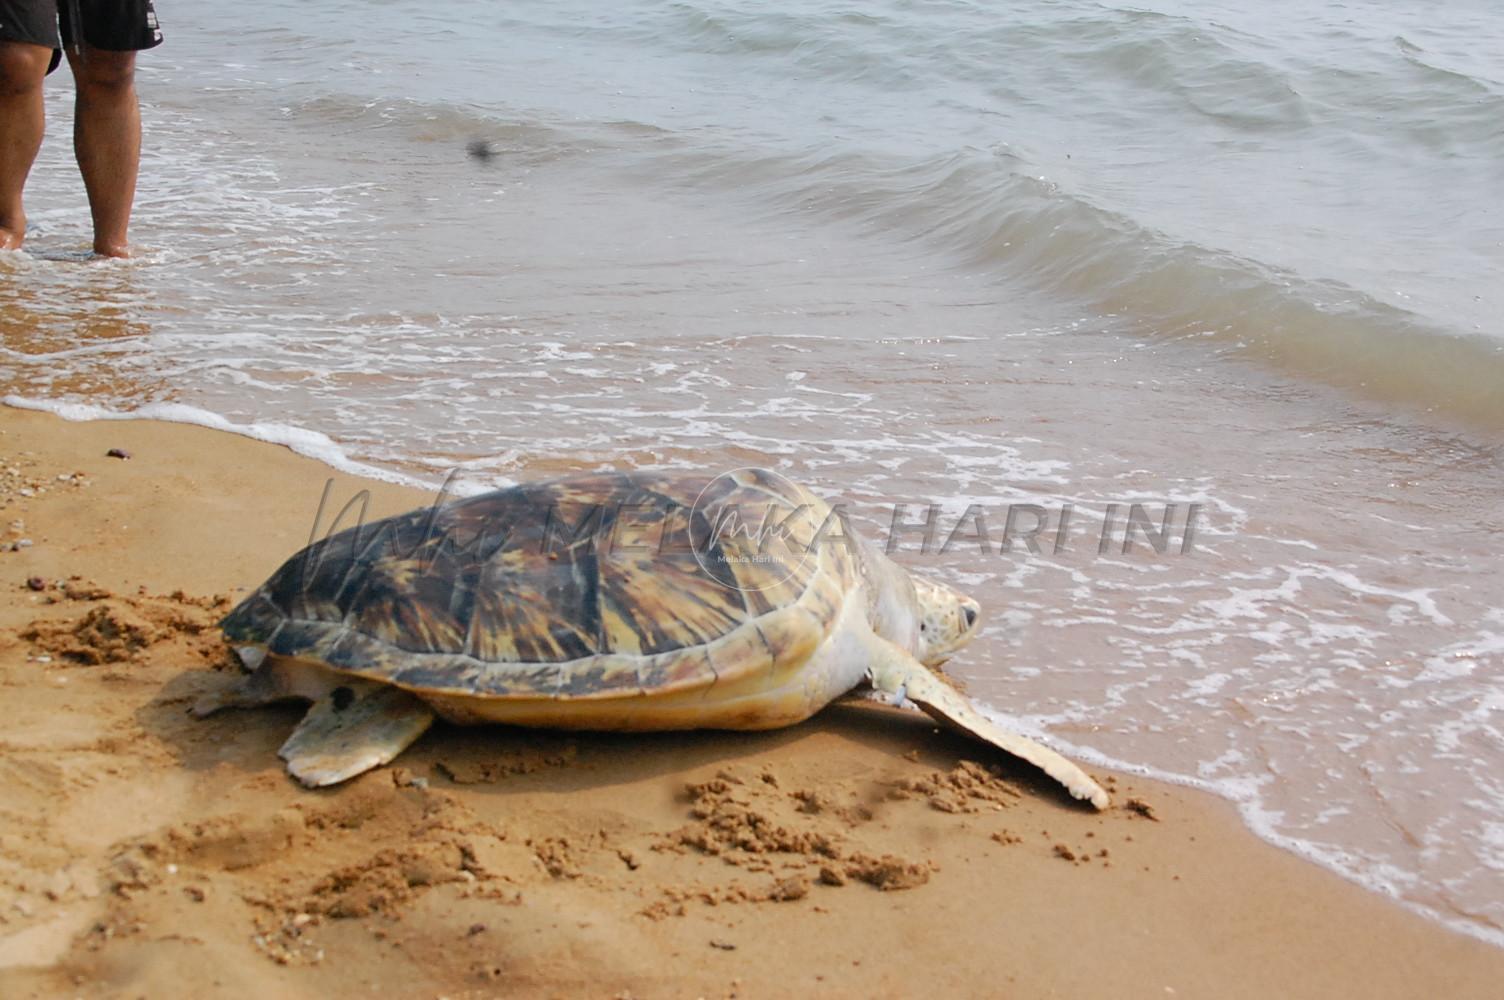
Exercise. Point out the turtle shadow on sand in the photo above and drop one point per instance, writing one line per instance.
(502, 760)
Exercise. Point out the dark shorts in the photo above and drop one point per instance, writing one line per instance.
(112, 25)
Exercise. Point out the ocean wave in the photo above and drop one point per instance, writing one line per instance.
(986, 212)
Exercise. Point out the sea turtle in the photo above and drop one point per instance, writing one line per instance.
(619, 601)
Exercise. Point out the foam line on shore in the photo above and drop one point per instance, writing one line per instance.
(1243, 793)
(310, 444)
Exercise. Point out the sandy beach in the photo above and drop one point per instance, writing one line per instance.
(864, 853)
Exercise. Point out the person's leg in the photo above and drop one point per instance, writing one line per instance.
(22, 68)
(107, 141)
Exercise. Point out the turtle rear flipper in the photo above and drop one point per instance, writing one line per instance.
(252, 690)
(897, 675)
(354, 728)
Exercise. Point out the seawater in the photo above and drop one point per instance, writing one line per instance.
(1056, 255)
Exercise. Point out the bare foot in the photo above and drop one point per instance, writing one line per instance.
(117, 250)
(11, 239)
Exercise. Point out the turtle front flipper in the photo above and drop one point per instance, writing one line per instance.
(899, 676)
(354, 728)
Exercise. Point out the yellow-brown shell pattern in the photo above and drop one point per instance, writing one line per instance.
(598, 586)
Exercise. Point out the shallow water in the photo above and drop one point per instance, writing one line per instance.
(1072, 256)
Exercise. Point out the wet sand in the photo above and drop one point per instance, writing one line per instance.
(864, 853)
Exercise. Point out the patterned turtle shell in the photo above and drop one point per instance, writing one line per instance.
(612, 585)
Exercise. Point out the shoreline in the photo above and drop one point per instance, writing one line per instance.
(858, 853)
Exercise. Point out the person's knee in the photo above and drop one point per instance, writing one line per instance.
(22, 67)
(102, 74)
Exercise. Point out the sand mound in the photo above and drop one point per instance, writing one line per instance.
(119, 629)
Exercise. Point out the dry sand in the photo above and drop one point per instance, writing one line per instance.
(864, 853)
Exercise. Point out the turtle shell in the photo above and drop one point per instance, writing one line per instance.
(609, 585)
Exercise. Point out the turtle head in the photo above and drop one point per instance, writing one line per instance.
(947, 620)
(918, 614)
